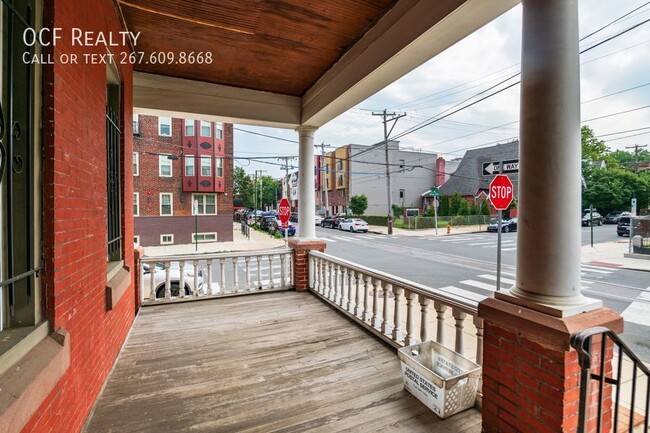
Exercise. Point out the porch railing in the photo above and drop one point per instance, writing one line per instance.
(614, 384)
(397, 310)
(214, 275)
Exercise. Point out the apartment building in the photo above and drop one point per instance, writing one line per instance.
(182, 178)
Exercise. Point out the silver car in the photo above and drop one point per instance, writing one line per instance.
(159, 276)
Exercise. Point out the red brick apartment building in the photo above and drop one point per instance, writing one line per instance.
(181, 167)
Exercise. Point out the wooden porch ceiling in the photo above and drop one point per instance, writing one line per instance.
(286, 63)
(271, 362)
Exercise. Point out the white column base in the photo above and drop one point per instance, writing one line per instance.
(556, 306)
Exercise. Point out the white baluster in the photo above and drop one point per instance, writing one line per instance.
(397, 321)
(235, 275)
(283, 271)
(195, 293)
(317, 275)
(259, 272)
(376, 320)
(358, 281)
(181, 285)
(410, 328)
(344, 286)
(385, 323)
(440, 324)
(209, 272)
(367, 283)
(271, 279)
(330, 287)
(289, 270)
(152, 286)
(350, 306)
(222, 282)
(168, 290)
(247, 260)
(459, 316)
(312, 272)
(424, 317)
(478, 323)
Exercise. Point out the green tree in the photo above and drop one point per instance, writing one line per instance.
(271, 191)
(455, 204)
(485, 209)
(358, 204)
(613, 189)
(593, 149)
(627, 160)
(243, 187)
(444, 205)
(463, 207)
(474, 209)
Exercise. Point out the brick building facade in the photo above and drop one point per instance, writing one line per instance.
(175, 164)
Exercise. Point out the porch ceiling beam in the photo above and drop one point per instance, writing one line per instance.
(178, 97)
(407, 36)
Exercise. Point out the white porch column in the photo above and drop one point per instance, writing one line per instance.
(549, 242)
(306, 194)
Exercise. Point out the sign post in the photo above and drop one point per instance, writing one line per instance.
(195, 208)
(501, 195)
(284, 211)
(435, 192)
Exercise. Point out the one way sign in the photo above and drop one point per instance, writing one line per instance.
(492, 168)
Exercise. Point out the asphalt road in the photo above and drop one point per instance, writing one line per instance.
(466, 264)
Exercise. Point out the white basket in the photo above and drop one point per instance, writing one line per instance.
(443, 380)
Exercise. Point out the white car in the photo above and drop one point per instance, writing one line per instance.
(174, 277)
(354, 225)
(318, 219)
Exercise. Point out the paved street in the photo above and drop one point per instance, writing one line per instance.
(465, 265)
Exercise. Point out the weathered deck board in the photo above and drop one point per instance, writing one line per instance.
(276, 362)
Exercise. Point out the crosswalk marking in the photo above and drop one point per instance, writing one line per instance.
(343, 239)
(639, 311)
(459, 293)
(598, 270)
(480, 285)
(494, 278)
(476, 244)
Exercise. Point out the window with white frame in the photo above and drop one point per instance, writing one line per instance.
(189, 127)
(206, 204)
(219, 127)
(339, 165)
(204, 237)
(136, 204)
(166, 204)
(206, 129)
(401, 163)
(220, 167)
(206, 166)
(401, 193)
(164, 166)
(136, 164)
(340, 180)
(167, 239)
(165, 126)
(189, 165)
(136, 124)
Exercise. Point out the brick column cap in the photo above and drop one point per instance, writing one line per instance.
(307, 244)
(547, 330)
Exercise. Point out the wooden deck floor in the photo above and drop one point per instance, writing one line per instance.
(276, 362)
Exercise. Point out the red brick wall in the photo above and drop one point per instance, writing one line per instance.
(149, 184)
(74, 214)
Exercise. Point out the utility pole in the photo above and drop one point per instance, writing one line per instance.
(636, 155)
(286, 175)
(324, 174)
(255, 195)
(388, 117)
(262, 188)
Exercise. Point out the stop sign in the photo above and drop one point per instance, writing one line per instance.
(501, 192)
(284, 211)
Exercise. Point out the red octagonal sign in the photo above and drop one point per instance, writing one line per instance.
(284, 211)
(501, 192)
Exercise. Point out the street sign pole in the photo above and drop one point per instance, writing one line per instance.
(435, 212)
(499, 231)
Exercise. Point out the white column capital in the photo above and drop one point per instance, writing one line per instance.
(306, 130)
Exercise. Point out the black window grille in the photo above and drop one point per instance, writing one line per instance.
(19, 262)
(113, 135)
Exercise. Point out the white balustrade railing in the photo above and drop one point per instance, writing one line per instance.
(397, 310)
(214, 275)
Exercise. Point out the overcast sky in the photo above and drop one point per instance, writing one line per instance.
(479, 61)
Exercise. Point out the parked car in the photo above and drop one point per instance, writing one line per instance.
(318, 220)
(330, 221)
(159, 276)
(613, 217)
(267, 222)
(506, 225)
(354, 225)
(623, 226)
(277, 226)
(293, 217)
(596, 218)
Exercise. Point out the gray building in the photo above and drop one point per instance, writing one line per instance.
(411, 172)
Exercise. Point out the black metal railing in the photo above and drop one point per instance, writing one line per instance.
(245, 229)
(113, 186)
(603, 378)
